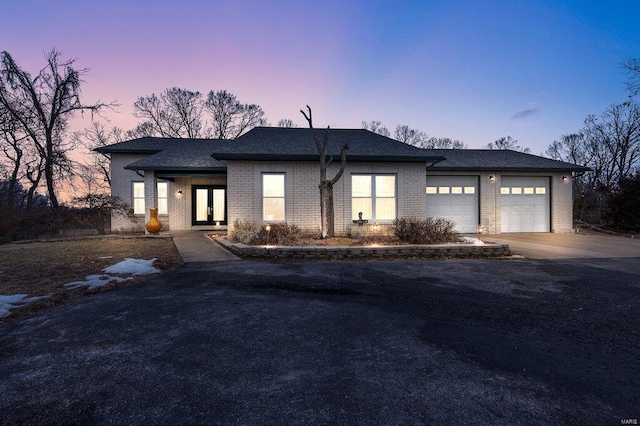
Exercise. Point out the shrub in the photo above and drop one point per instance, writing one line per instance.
(245, 232)
(280, 233)
(253, 233)
(415, 230)
(623, 205)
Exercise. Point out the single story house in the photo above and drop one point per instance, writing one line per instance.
(272, 174)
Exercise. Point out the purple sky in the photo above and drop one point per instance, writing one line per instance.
(470, 70)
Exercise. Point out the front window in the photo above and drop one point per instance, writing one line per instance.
(273, 196)
(163, 191)
(138, 198)
(374, 196)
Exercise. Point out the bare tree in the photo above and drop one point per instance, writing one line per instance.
(176, 113)
(286, 122)
(326, 185)
(43, 106)
(376, 127)
(443, 143)
(632, 68)
(415, 137)
(615, 137)
(507, 143)
(230, 118)
(94, 137)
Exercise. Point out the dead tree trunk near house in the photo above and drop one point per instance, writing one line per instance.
(326, 185)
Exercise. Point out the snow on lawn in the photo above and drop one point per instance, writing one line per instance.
(471, 240)
(95, 281)
(128, 266)
(9, 302)
(133, 267)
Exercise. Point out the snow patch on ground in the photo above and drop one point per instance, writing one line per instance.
(95, 281)
(128, 266)
(13, 301)
(133, 267)
(471, 240)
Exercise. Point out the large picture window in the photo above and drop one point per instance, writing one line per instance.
(273, 196)
(374, 196)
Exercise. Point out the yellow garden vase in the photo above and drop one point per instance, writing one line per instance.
(153, 225)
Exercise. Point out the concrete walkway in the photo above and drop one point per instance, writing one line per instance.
(196, 246)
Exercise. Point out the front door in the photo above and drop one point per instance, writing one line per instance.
(209, 205)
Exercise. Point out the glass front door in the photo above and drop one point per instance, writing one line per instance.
(209, 205)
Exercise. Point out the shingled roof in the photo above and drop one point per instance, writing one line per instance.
(288, 144)
(502, 160)
(291, 144)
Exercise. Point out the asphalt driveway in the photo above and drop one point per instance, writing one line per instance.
(568, 246)
(464, 342)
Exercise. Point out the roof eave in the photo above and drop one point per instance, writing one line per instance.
(106, 150)
(513, 169)
(176, 168)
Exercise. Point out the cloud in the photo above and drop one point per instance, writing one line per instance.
(524, 113)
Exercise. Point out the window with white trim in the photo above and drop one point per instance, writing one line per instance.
(273, 197)
(374, 196)
(163, 198)
(137, 199)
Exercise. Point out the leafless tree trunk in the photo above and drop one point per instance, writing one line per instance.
(43, 105)
(326, 185)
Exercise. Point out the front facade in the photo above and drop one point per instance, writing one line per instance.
(272, 174)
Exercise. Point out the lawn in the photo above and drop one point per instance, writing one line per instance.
(42, 268)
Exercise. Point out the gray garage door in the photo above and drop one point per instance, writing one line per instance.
(454, 198)
(525, 204)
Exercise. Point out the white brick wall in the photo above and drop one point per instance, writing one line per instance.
(121, 185)
(302, 196)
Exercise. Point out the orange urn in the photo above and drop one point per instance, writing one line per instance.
(153, 225)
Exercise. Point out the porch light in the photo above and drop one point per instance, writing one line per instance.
(492, 178)
(179, 195)
(565, 178)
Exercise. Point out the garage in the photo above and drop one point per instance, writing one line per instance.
(525, 204)
(454, 198)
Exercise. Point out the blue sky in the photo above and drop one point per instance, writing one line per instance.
(469, 70)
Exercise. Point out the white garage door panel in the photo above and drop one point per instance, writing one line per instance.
(454, 198)
(525, 204)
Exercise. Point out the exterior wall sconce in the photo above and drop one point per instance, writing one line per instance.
(565, 178)
(492, 178)
(179, 195)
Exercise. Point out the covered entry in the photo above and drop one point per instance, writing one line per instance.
(454, 198)
(525, 204)
(209, 206)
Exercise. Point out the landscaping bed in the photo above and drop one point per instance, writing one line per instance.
(365, 250)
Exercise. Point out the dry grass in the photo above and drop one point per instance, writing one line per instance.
(41, 268)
